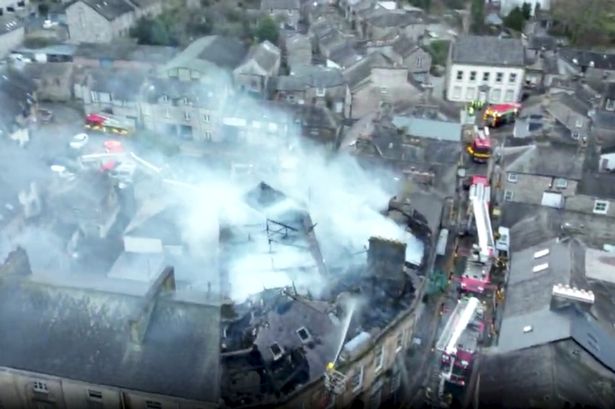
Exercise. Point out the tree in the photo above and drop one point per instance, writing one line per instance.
(424, 4)
(154, 31)
(267, 30)
(526, 9)
(477, 14)
(588, 22)
(515, 19)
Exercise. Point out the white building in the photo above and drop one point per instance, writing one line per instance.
(486, 68)
(507, 5)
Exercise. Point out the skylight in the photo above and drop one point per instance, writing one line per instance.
(541, 253)
(540, 267)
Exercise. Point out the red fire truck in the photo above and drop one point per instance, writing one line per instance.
(501, 114)
(480, 147)
(108, 123)
(458, 342)
(476, 277)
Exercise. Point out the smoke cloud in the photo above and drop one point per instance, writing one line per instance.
(345, 201)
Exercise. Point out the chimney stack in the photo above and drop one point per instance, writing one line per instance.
(386, 258)
(563, 295)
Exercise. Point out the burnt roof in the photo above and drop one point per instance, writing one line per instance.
(121, 84)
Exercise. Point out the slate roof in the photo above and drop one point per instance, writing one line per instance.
(79, 333)
(542, 43)
(528, 303)
(555, 160)
(361, 70)
(393, 18)
(110, 9)
(127, 51)
(584, 58)
(162, 225)
(265, 54)
(223, 52)
(306, 77)
(491, 51)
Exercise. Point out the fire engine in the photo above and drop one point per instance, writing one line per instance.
(459, 340)
(107, 123)
(480, 148)
(476, 277)
(501, 114)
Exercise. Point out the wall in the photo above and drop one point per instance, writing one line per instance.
(86, 25)
(418, 64)
(202, 120)
(11, 40)
(469, 89)
(16, 392)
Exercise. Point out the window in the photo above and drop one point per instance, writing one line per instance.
(498, 77)
(456, 92)
(356, 382)
(94, 96)
(164, 98)
(150, 404)
(472, 75)
(379, 359)
(304, 335)
(610, 105)
(419, 62)
(513, 178)
(187, 116)
(206, 118)
(167, 113)
(496, 95)
(208, 135)
(579, 123)
(486, 76)
(400, 341)
(512, 78)
(470, 93)
(508, 195)
(185, 101)
(40, 387)
(561, 183)
(510, 95)
(96, 395)
(320, 92)
(601, 207)
(459, 75)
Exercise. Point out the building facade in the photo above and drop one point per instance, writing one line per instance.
(486, 68)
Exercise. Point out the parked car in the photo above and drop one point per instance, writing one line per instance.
(79, 141)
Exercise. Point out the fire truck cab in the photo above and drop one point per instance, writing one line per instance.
(480, 147)
(107, 123)
(501, 114)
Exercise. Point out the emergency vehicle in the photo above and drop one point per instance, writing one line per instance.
(501, 114)
(477, 275)
(480, 147)
(459, 340)
(108, 123)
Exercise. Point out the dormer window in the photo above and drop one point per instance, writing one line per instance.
(276, 351)
(610, 105)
